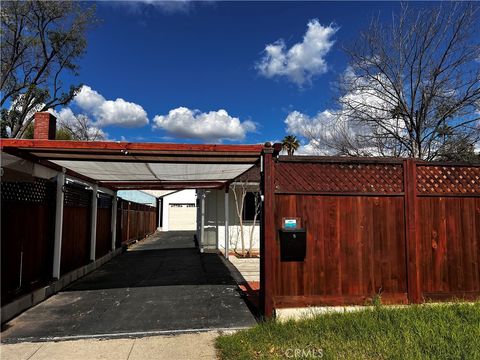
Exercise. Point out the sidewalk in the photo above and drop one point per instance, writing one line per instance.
(184, 346)
(248, 267)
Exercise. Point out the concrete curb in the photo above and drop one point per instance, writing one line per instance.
(25, 302)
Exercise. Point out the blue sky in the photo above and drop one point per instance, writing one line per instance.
(177, 65)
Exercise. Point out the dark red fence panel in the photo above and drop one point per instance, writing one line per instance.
(405, 230)
(448, 206)
(27, 231)
(104, 226)
(76, 228)
(134, 221)
(355, 250)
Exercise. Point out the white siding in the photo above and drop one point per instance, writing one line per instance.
(215, 224)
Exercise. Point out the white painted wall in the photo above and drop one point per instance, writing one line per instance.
(179, 197)
(215, 223)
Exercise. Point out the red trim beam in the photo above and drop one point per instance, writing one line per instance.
(28, 144)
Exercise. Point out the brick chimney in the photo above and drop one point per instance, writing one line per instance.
(45, 126)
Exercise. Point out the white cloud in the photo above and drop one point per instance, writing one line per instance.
(88, 99)
(110, 112)
(309, 149)
(301, 124)
(334, 131)
(316, 129)
(211, 126)
(169, 6)
(143, 6)
(66, 117)
(303, 60)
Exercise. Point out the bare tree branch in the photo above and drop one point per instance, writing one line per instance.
(406, 83)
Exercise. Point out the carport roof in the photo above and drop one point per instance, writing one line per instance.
(124, 165)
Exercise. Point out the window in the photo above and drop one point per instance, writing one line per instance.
(249, 206)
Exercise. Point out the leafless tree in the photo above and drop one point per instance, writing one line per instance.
(412, 87)
(40, 42)
(240, 190)
(81, 128)
(239, 193)
(256, 214)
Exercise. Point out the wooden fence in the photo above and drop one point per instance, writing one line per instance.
(27, 231)
(134, 221)
(104, 226)
(76, 228)
(404, 230)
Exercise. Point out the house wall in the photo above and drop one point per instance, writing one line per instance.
(180, 197)
(215, 223)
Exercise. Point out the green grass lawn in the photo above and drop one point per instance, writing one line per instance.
(415, 332)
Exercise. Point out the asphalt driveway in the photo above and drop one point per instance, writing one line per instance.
(161, 285)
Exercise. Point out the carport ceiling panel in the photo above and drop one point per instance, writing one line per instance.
(109, 171)
(128, 171)
(197, 172)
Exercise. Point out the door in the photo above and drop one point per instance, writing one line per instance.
(182, 217)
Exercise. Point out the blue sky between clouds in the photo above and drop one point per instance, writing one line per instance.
(227, 72)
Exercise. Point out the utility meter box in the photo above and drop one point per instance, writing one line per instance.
(293, 240)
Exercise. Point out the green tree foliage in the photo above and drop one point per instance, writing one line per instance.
(290, 144)
(40, 42)
(61, 134)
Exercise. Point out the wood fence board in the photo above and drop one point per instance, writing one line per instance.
(27, 243)
(450, 244)
(104, 232)
(343, 236)
(75, 238)
(416, 232)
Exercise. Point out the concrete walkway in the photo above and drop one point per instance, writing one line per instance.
(162, 285)
(248, 267)
(185, 346)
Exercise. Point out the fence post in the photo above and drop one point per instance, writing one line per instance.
(227, 230)
(267, 238)
(57, 245)
(202, 221)
(128, 222)
(93, 223)
(411, 231)
(114, 221)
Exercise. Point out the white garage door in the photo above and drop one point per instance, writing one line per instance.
(182, 217)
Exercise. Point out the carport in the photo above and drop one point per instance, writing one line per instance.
(112, 166)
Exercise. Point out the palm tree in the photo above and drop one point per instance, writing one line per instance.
(290, 143)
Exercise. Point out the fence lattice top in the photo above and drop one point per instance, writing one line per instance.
(37, 191)
(448, 179)
(104, 201)
(339, 177)
(77, 196)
